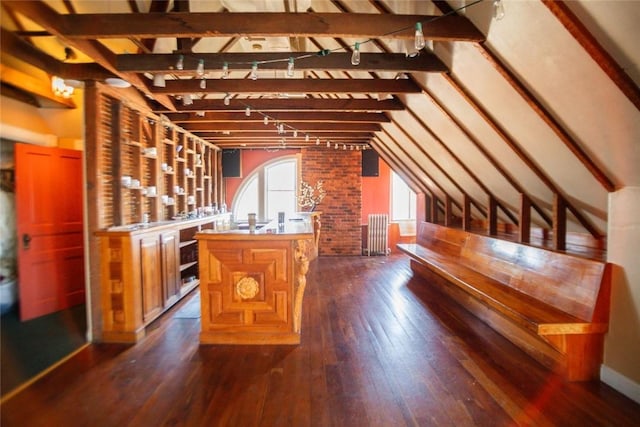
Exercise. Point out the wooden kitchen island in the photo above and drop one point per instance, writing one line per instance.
(252, 283)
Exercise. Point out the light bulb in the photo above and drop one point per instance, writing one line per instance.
(355, 56)
(180, 63)
(498, 9)
(225, 70)
(344, 146)
(247, 111)
(290, 67)
(203, 83)
(254, 71)
(328, 144)
(200, 68)
(266, 120)
(306, 138)
(419, 39)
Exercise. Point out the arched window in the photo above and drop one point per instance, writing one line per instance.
(268, 190)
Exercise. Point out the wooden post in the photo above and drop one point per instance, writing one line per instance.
(492, 216)
(116, 162)
(434, 209)
(525, 219)
(448, 215)
(559, 223)
(466, 212)
(427, 208)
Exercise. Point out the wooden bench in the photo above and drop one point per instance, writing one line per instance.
(554, 306)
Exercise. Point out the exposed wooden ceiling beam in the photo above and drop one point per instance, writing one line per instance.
(304, 61)
(308, 86)
(266, 135)
(309, 104)
(20, 49)
(33, 86)
(289, 117)
(50, 20)
(180, 24)
(301, 127)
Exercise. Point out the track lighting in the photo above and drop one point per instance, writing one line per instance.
(295, 133)
(200, 68)
(254, 71)
(336, 146)
(344, 146)
(419, 37)
(227, 99)
(203, 83)
(247, 111)
(225, 70)
(280, 128)
(328, 144)
(355, 56)
(306, 138)
(187, 99)
(159, 81)
(498, 9)
(266, 120)
(180, 63)
(290, 67)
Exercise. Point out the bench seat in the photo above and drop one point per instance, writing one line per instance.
(553, 305)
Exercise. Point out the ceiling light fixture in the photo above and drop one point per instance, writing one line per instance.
(290, 67)
(227, 99)
(60, 88)
(180, 62)
(247, 111)
(200, 68)
(187, 99)
(498, 9)
(225, 70)
(254, 71)
(419, 37)
(159, 81)
(203, 83)
(266, 120)
(355, 56)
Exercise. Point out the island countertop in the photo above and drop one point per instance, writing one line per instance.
(252, 282)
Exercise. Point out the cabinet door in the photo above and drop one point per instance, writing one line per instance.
(150, 270)
(170, 267)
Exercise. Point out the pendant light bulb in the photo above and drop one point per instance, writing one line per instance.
(254, 71)
(200, 68)
(498, 9)
(306, 138)
(180, 63)
(225, 70)
(203, 83)
(247, 111)
(266, 120)
(328, 144)
(355, 56)
(419, 37)
(290, 67)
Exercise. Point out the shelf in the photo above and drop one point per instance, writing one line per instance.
(187, 243)
(183, 267)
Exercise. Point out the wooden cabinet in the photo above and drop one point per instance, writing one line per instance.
(169, 256)
(146, 270)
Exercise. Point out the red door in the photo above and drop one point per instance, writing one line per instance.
(49, 225)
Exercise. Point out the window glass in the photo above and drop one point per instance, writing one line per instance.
(269, 190)
(403, 199)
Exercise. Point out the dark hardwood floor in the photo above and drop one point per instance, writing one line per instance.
(378, 349)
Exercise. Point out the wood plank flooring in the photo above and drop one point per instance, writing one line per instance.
(378, 349)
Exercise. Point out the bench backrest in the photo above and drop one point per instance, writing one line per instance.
(566, 282)
(445, 240)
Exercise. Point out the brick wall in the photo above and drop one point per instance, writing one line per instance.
(341, 208)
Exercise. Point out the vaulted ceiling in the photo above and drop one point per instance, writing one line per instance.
(538, 108)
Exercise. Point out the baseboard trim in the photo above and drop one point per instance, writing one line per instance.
(624, 385)
(41, 374)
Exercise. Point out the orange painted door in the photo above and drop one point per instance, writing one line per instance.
(49, 225)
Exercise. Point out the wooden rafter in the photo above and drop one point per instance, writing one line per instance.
(288, 117)
(304, 61)
(270, 86)
(302, 127)
(179, 24)
(52, 21)
(308, 104)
